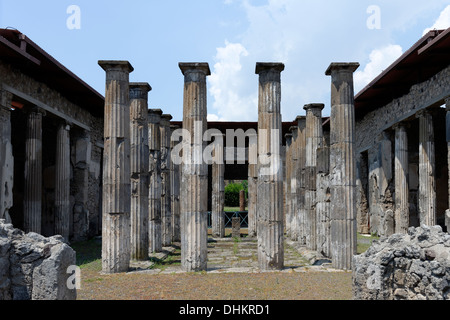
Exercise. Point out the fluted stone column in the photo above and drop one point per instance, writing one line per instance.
(300, 231)
(314, 140)
(175, 192)
(252, 185)
(287, 193)
(32, 203)
(139, 170)
(194, 176)
(166, 199)
(447, 121)
(427, 182)
(323, 201)
(116, 168)
(62, 181)
(401, 179)
(342, 165)
(155, 187)
(218, 192)
(270, 168)
(6, 157)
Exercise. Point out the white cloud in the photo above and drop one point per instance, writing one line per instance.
(443, 22)
(227, 86)
(380, 59)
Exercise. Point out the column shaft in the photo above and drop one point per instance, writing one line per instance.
(252, 185)
(175, 193)
(342, 165)
(218, 192)
(155, 186)
(6, 157)
(62, 181)
(33, 174)
(447, 121)
(194, 176)
(116, 229)
(139, 170)
(314, 140)
(287, 192)
(427, 184)
(299, 224)
(270, 168)
(401, 180)
(166, 199)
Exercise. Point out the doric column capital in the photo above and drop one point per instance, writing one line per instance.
(269, 66)
(314, 107)
(165, 119)
(154, 115)
(341, 67)
(288, 137)
(116, 65)
(139, 90)
(423, 113)
(189, 67)
(37, 110)
(301, 122)
(402, 125)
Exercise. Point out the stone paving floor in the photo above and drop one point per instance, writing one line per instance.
(231, 255)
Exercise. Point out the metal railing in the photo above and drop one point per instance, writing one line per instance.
(229, 216)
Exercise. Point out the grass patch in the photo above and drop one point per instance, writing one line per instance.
(89, 253)
(364, 242)
(233, 209)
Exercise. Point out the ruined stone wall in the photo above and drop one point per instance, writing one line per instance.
(374, 123)
(375, 139)
(86, 151)
(413, 266)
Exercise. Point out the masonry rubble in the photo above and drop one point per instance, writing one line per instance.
(33, 267)
(407, 266)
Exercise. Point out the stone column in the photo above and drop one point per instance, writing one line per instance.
(447, 122)
(139, 170)
(194, 176)
(270, 168)
(300, 232)
(62, 181)
(252, 185)
(84, 222)
(155, 188)
(116, 206)
(401, 179)
(323, 201)
(287, 193)
(175, 192)
(218, 193)
(166, 205)
(6, 157)
(342, 165)
(427, 183)
(32, 206)
(314, 140)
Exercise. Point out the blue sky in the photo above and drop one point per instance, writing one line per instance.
(231, 35)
